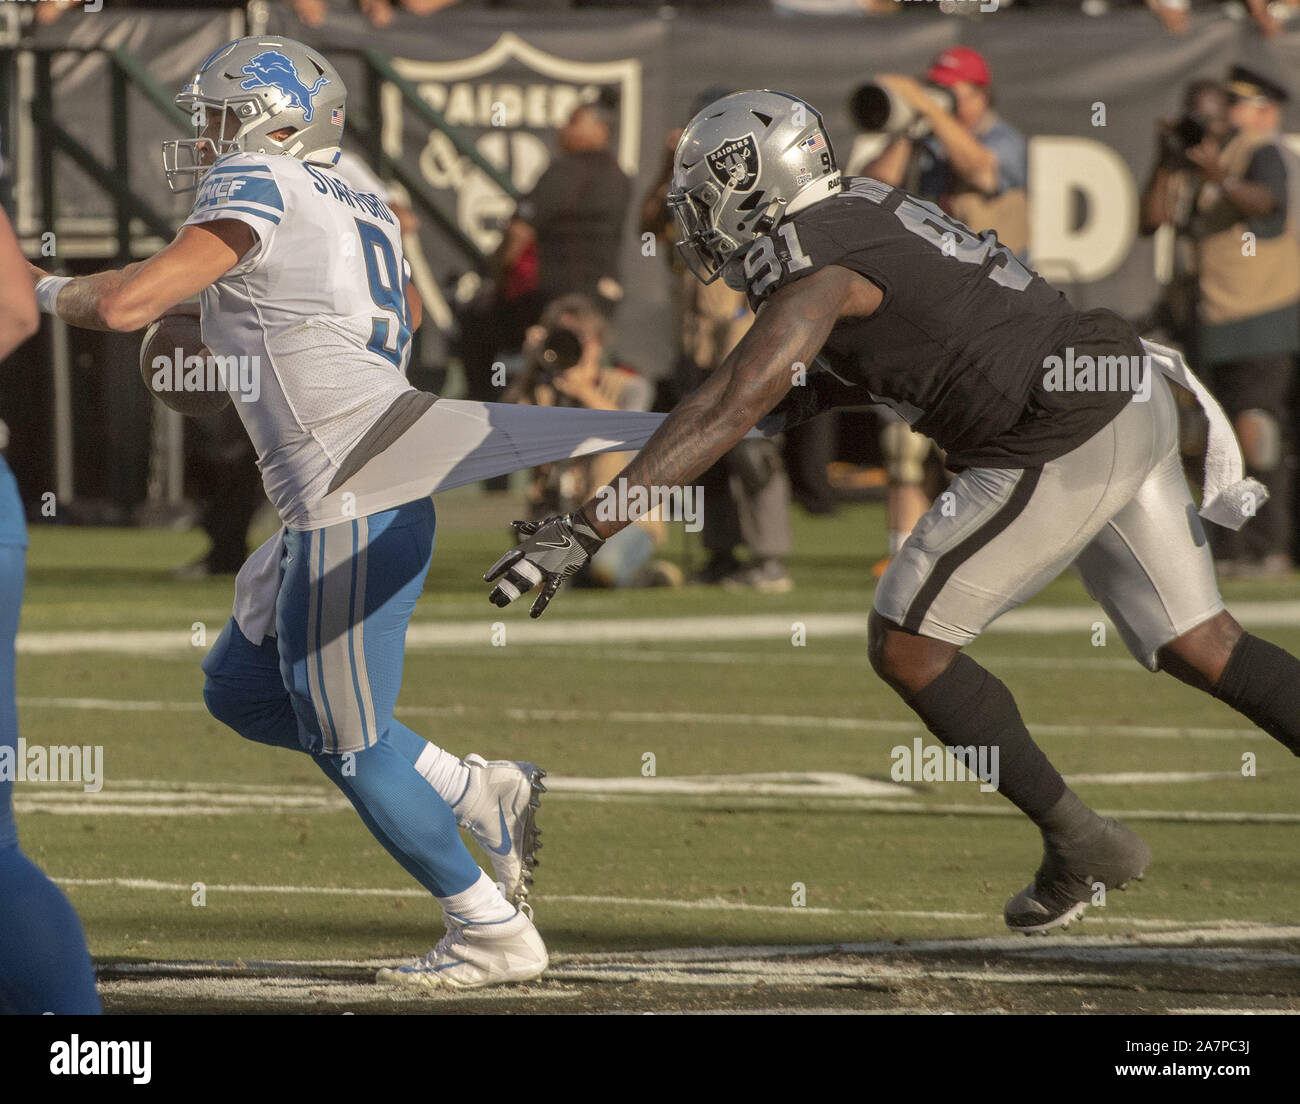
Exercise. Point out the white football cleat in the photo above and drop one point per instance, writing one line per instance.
(499, 809)
(471, 956)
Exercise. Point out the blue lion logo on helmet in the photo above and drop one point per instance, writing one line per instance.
(272, 69)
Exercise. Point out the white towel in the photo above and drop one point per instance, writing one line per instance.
(1227, 498)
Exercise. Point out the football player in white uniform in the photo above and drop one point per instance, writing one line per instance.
(305, 277)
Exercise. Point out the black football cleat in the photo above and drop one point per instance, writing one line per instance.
(1064, 885)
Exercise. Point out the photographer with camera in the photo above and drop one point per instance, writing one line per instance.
(748, 490)
(566, 365)
(1233, 205)
(947, 145)
(1169, 199)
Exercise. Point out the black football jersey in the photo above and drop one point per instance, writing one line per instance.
(958, 344)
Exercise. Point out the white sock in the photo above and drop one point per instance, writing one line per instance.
(896, 540)
(482, 903)
(444, 772)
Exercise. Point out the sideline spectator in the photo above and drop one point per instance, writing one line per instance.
(747, 493)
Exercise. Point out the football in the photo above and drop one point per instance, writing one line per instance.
(178, 369)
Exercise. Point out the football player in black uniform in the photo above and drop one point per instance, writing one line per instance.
(885, 298)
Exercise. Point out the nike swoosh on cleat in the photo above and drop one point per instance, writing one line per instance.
(504, 849)
(551, 544)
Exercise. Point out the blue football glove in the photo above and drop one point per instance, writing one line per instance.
(550, 551)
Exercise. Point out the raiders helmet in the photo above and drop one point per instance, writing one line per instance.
(267, 84)
(743, 164)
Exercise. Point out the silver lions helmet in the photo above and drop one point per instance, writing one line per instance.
(743, 164)
(249, 90)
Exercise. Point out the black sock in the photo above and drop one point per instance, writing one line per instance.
(965, 706)
(1262, 682)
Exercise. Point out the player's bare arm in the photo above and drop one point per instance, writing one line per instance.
(129, 298)
(1250, 198)
(790, 330)
(518, 237)
(19, 318)
(415, 305)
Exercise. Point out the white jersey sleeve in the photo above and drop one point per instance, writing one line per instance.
(242, 188)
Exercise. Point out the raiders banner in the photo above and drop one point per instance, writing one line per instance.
(1085, 91)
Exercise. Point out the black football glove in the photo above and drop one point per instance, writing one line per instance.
(549, 553)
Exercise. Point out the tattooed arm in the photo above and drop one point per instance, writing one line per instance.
(790, 329)
(129, 298)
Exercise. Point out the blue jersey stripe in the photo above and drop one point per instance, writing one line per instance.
(252, 189)
(259, 190)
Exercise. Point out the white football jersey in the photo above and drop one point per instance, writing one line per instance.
(320, 301)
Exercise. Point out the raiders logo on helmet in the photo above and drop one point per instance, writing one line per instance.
(735, 162)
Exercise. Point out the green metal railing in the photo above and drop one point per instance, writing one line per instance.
(113, 176)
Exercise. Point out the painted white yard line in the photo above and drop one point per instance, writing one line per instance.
(923, 808)
(158, 798)
(661, 717)
(856, 660)
(297, 992)
(1146, 778)
(852, 724)
(814, 784)
(745, 973)
(113, 705)
(1161, 927)
(252, 802)
(1210, 939)
(425, 635)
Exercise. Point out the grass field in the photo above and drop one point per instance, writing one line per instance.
(678, 891)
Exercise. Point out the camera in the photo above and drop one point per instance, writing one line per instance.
(1187, 133)
(560, 350)
(875, 108)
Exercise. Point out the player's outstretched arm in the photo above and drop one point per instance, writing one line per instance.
(789, 330)
(19, 318)
(415, 305)
(129, 298)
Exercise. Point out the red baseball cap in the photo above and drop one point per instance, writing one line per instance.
(960, 63)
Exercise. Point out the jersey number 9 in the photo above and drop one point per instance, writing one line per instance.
(389, 335)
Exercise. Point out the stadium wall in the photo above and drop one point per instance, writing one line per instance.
(1052, 71)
